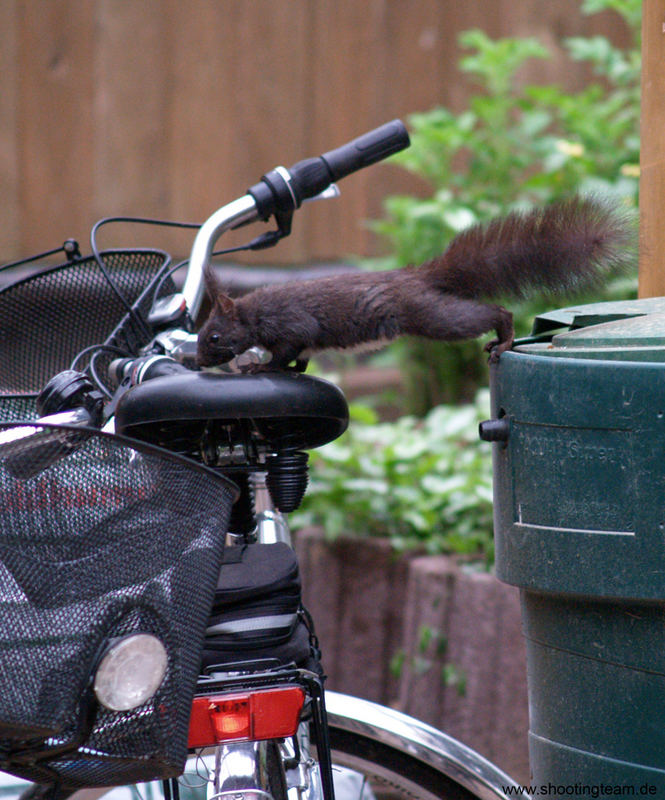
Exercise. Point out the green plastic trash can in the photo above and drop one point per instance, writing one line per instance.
(579, 488)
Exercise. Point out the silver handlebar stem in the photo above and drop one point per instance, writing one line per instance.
(238, 212)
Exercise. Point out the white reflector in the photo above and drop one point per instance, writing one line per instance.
(130, 671)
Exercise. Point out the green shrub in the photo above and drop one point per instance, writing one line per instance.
(423, 483)
(512, 147)
(519, 145)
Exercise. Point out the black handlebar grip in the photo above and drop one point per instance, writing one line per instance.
(367, 149)
(313, 175)
(284, 190)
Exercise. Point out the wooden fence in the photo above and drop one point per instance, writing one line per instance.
(169, 108)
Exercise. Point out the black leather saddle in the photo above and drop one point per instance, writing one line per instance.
(278, 410)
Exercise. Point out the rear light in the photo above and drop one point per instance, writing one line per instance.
(261, 714)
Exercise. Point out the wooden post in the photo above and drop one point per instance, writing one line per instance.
(652, 152)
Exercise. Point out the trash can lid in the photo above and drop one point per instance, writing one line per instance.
(629, 330)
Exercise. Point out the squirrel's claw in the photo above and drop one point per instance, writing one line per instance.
(496, 347)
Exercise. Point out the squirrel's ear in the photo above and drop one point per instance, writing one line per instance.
(224, 304)
(215, 289)
(212, 283)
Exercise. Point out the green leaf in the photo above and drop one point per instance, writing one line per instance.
(459, 218)
(425, 636)
(396, 665)
(360, 412)
(453, 676)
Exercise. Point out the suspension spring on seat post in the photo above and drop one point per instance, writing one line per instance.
(287, 478)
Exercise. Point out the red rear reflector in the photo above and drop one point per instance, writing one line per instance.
(264, 714)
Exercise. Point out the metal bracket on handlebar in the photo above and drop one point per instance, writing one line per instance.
(70, 390)
(327, 194)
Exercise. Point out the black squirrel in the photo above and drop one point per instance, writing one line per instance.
(570, 244)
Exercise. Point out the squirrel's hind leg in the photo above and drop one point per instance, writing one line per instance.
(505, 335)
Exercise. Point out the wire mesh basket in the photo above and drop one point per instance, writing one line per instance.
(100, 537)
(47, 318)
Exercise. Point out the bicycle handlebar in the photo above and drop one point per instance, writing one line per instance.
(232, 215)
(281, 191)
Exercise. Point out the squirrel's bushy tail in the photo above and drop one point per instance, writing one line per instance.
(570, 244)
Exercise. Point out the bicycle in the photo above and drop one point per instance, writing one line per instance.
(139, 437)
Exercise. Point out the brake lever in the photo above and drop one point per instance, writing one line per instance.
(284, 216)
(244, 362)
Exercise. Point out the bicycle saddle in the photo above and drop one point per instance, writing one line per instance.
(286, 410)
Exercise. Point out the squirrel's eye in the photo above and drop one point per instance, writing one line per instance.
(214, 338)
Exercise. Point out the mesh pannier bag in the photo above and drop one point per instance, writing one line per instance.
(48, 317)
(100, 537)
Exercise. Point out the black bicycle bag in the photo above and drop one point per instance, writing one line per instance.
(257, 612)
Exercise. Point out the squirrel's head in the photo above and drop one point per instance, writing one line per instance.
(223, 335)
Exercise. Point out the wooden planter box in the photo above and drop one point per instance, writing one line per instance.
(465, 661)
(455, 635)
(356, 593)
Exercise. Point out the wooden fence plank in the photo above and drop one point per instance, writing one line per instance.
(130, 111)
(201, 108)
(652, 157)
(9, 174)
(347, 72)
(268, 48)
(54, 123)
(238, 102)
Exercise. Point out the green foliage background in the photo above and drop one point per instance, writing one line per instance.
(513, 147)
(426, 482)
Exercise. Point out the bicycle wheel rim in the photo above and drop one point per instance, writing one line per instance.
(399, 754)
(386, 772)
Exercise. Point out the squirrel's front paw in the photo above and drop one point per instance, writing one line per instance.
(255, 369)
